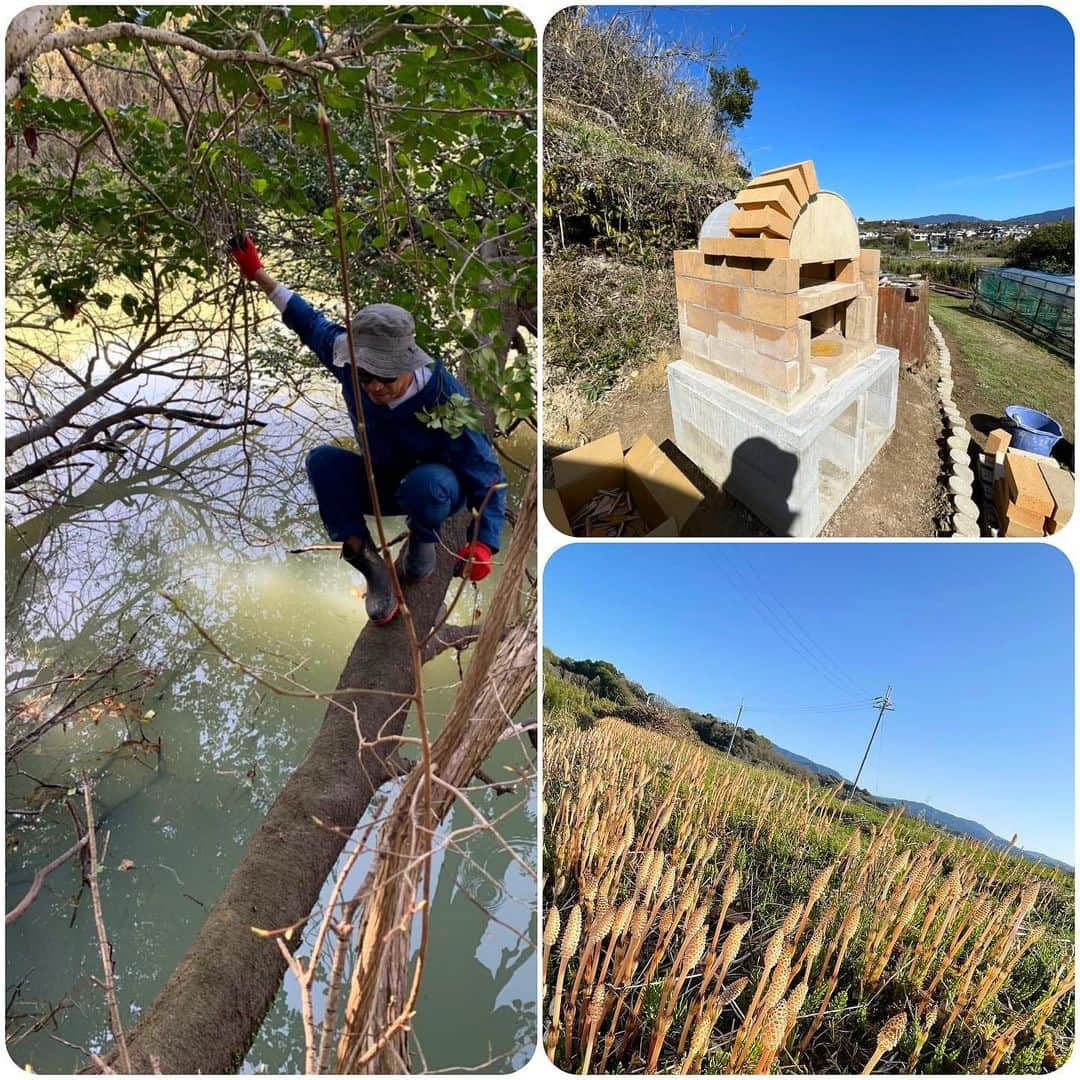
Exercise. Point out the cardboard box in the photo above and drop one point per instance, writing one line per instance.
(662, 494)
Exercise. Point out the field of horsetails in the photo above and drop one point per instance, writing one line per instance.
(707, 916)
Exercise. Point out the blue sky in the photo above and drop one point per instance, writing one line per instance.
(905, 111)
(975, 639)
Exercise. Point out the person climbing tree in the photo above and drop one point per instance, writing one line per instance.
(420, 471)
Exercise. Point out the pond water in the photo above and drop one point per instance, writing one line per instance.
(186, 753)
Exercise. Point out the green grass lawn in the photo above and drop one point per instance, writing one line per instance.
(994, 366)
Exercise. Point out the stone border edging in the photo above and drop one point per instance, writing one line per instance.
(964, 520)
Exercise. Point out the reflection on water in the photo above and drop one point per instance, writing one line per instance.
(210, 525)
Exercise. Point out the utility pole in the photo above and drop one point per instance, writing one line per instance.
(883, 705)
(734, 730)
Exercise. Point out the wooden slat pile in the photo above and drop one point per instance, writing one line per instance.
(610, 512)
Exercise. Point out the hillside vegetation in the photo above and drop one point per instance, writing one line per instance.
(633, 163)
(705, 915)
(580, 692)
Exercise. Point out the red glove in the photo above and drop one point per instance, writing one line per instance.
(245, 254)
(479, 567)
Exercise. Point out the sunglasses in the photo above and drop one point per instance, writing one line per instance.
(368, 377)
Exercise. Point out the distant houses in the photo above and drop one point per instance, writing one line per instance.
(942, 239)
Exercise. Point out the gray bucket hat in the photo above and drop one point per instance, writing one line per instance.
(384, 342)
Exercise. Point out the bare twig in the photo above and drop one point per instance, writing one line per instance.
(109, 985)
(39, 880)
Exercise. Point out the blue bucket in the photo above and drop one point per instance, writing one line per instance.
(1032, 430)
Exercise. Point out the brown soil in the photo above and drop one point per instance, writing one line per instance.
(901, 494)
(636, 406)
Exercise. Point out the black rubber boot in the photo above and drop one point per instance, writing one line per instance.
(380, 601)
(419, 561)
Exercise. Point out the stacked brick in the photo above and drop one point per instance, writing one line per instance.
(1033, 496)
(750, 310)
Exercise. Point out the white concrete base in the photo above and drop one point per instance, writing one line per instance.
(792, 469)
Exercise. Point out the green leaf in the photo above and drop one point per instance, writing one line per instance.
(340, 102)
(259, 185)
(352, 77)
(459, 200)
(310, 38)
(273, 82)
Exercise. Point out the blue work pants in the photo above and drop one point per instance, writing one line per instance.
(427, 494)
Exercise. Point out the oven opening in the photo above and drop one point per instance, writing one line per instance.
(819, 273)
(828, 329)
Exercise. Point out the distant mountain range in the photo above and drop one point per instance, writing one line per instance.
(944, 219)
(1066, 213)
(930, 814)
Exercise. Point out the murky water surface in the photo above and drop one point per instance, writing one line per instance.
(188, 755)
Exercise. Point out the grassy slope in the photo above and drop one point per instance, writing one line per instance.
(620, 209)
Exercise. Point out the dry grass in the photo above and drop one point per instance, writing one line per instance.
(619, 73)
(603, 317)
(721, 918)
(633, 164)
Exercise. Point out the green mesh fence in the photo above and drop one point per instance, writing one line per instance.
(1040, 305)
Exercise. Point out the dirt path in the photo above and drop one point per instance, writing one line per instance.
(899, 495)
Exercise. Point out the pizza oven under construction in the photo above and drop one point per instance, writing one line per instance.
(782, 395)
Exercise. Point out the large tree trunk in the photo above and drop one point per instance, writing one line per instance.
(25, 31)
(205, 1018)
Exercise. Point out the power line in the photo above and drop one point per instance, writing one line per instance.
(797, 638)
(789, 636)
(781, 710)
(781, 631)
(810, 639)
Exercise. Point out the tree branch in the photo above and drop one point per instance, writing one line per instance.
(24, 35)
(449, 637)
(39, 880)
(86, 440)
(122, 372)
(104, 949)
(77, 37)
